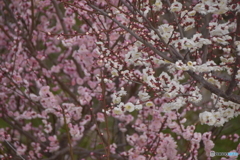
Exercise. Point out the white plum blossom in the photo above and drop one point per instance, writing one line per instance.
(227, 59)
(117, 110)
(144, 96)
(157, 6)
(181, 66)
(133, 56)
(146, 10)
(129, 107)
(228, 113)
(175, 105)
(114, 72)
(214, 81)
(218, 29)
(208, 6)
(222, 40)
(176, 7)
(189, 24)
(166, 31)
(150, 104)
(191, 13)
(116, 100)
(138, 107)
(200, 8)
(207, 118)
(116, 97)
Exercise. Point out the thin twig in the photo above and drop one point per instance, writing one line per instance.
(14, 149)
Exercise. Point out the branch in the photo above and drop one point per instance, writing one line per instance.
(60, 16)
(132, 33)
(213, 89)
(233, 82)
(23, 132)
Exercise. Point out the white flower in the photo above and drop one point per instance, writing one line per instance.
(200, 7)
(149, 104)
(116, 100)
(143, 96)
(138, 107)
(220, 122)
(117, 110)
(192, 13)
(207, 118)
(147, 9)
(157, 6)
(189, 24)
(228, 113)
(165, 28)
(114, 72)
(165, 31)
(222, 7)
(218, 29)
(129, 107)
(122, 92)
(179, 65)
(220, 40)
(167, 107)
(176, 7)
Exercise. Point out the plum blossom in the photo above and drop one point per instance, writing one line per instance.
(34, 97)
(208, 143)
(129, 107)
(54, 145)
(207, 118)
(176, 6)
(76, 131)
(166, 31)
(117, 111)
(100, 117)
(21, 149)
(143, 96)
(157, 6)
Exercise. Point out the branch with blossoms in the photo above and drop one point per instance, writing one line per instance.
(119, 79)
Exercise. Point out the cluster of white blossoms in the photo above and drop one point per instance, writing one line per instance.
(172, 89)
(226, 60)
(195, 95)
(206, 67)
(121, 108)
(119, 15)
(217, 118)
(116, 97)
(212, 6)
(101, 49)
(115, 69)
(175, 105)
(143, 96)
(217, 29)
(157, 6)
(166, 32)
(188, 20)
(238, 75)
(226, 110)
(134, 57)
(148, 77)
(237, 44)
(196, 42)
(176, 6)
(219, 32)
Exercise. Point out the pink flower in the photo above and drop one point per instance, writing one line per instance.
(100, 117)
